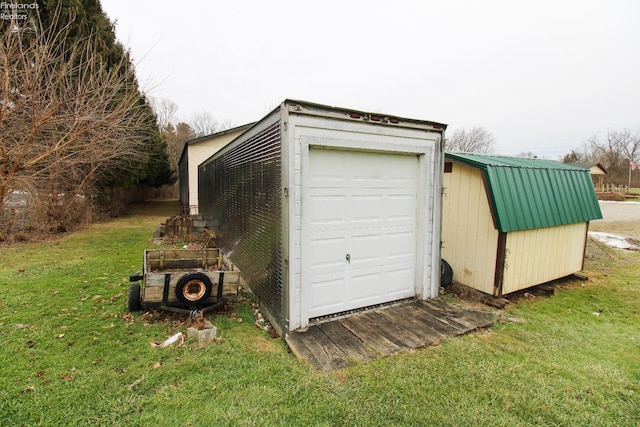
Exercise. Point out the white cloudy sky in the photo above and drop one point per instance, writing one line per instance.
(542, 76)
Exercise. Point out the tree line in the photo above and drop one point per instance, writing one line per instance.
(177, 132)
(618, 151)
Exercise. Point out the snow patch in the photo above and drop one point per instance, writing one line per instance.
(620, 203)
(613, 240)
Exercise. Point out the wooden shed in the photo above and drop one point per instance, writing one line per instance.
(512, 223)
(194, 152)
(328, 210)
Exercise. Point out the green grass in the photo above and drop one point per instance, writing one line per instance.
(72, 355)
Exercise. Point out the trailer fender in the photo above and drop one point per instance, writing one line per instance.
(193, 288)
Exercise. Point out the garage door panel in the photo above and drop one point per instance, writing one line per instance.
(327, 209)
(326, 252)
(327, 297)
(363, 290)
(400, 243)
(371, 204)
(365, 207)
(400, 207)
(394, 284)
(328, 170)
(323, 276)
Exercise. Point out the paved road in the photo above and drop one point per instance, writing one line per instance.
(620, 211)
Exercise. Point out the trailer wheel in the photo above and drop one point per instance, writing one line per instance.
(193, 288)
(446, 273)
(133, 303)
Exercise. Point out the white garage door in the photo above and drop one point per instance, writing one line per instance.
(359, 229)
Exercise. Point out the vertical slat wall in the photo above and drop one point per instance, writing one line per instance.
(183, 170)
(240, 197)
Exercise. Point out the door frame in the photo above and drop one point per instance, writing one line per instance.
(425, 284)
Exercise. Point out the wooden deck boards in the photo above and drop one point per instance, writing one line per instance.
(384, 331)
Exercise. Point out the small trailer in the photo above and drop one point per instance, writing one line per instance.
(183, 280)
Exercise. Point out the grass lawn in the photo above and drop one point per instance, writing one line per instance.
(73, 356)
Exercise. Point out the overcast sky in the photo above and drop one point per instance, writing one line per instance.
(541, 76)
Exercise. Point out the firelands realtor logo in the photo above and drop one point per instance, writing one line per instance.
(10, 11)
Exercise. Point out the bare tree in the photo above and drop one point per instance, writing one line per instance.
(67, 119)
(615, 151)
(527, 155)
(473, 140)
(617, 148)
(176, 136)
(165, 110)
(203, 123)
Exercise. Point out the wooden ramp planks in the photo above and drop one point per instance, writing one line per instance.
(385, 331)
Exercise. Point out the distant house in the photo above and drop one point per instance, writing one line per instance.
(195, 152)
(597, 172)
(512, 223)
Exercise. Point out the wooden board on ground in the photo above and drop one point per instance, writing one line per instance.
(394, 332)
(404, 324)
(326, 353)
(363, 336)
(344, 338)
(371, 335)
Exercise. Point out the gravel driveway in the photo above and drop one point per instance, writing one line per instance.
(620, 211)
(620, 218)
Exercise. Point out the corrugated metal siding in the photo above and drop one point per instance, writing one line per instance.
(532, 193)
(183, 171)
(240, 197)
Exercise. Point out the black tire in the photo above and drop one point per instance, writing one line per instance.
(193, 289)
(134, 303)
(446, 273)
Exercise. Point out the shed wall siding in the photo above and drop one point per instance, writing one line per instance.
(198, 153)
(469, 238)
(544, 254)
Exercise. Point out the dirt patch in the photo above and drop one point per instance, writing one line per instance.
(179, 320)
(610, 196)
(472, 298)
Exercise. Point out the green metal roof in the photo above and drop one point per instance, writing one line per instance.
(534, 193)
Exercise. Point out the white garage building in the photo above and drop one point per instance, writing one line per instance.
(328, 210)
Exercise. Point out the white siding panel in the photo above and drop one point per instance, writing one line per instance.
(543, 254)
(470, 240)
